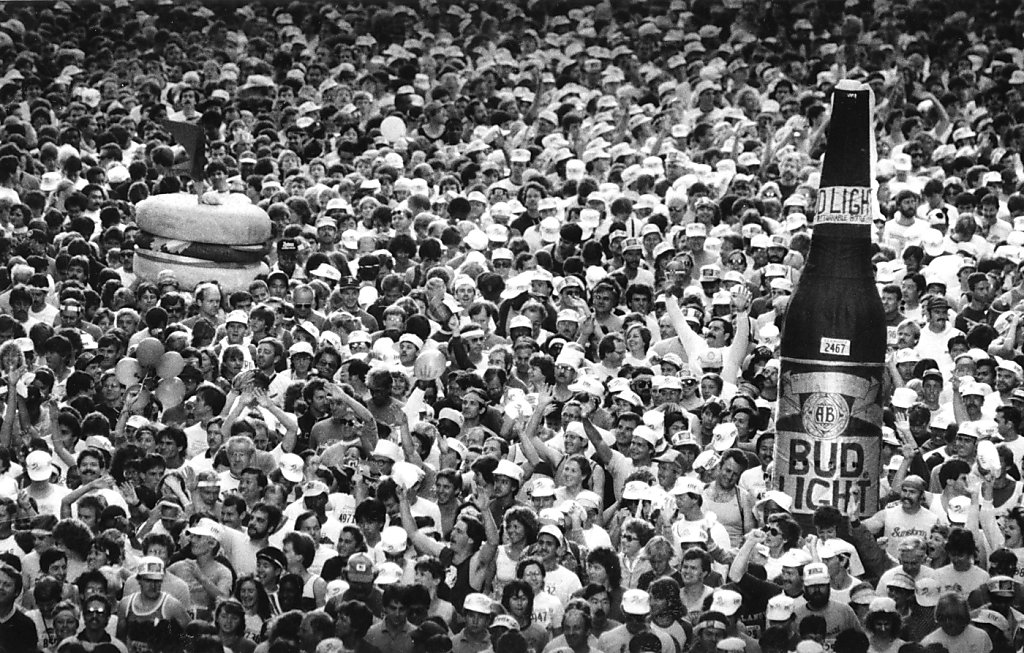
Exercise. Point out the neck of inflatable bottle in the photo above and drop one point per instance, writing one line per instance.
(840, 251)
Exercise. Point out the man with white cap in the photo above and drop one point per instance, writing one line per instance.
(689, 497)
(558, 580)
(636, 610)
(409, 346)
(508, 478)
(141, 607)
(817, 600)
(836, 555)
(729, 342)
(620, 466)
(477, 612)
(47, 495)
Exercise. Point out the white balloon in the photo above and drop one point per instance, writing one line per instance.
(392, 128)
(988, 456)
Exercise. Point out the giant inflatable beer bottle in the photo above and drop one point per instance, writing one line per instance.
(834, 338)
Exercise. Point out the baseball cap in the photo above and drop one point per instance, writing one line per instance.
(291, 466)
(477, 602)
(388, 573)
(204, 528)
(957, 509)
(902, 580)
(989, 617)
(726, 601)
(816, 574)
(543, 487)
(505, 621)
(510, 470)
(553, 531)
(795, 558)
(360, 568)
(635, 491)
(150, 568)
(636, 602)
(238, 317)
(39, 465)
(1002, 585)
(927, 592)
(780, 607)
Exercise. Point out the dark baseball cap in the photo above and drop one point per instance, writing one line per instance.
(287, 245)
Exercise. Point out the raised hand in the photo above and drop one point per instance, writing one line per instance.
(545, 395)
(741, 297)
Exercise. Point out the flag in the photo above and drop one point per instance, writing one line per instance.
(193, 139)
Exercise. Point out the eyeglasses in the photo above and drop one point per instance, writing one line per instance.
(303, 305)
(629, 537)
(774, 531)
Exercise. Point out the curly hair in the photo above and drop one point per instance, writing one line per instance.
(73, 535)
(525, 516)
(608, 559)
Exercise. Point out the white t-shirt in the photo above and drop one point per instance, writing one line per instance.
(961, 582)
(899, 525)
(972, 640)
(197, 444)
(562, 584)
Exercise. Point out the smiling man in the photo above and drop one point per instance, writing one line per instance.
(907, 519)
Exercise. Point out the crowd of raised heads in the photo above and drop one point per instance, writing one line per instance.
(502, 375)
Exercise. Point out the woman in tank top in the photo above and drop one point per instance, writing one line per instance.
(519, 531)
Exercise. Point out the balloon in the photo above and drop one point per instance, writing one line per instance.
(148, 352)
(170, 392)
(128, 372)
(988, 456)
(392, 128)
(429, 365)
(171, 364)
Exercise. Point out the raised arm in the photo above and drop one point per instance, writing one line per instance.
(738, 568)
(287, 420)
(490, 546)
(737, 351)
(534, 448)
(424, 545)
(692, 342)
(368, 433)
(601, 448)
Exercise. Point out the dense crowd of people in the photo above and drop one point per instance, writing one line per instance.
(507, 378)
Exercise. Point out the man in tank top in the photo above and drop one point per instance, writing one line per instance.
(150, 604)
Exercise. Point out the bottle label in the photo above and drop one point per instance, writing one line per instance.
(835, 347)
(843, 205)
(828, 444)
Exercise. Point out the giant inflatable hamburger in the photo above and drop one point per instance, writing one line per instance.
(199, 242)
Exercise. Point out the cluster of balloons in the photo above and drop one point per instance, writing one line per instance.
(156, 370)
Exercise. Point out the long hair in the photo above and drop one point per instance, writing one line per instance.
(263, 608)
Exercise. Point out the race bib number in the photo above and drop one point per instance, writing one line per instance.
(835, 347)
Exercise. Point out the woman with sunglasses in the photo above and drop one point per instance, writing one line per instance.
(783, 534)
